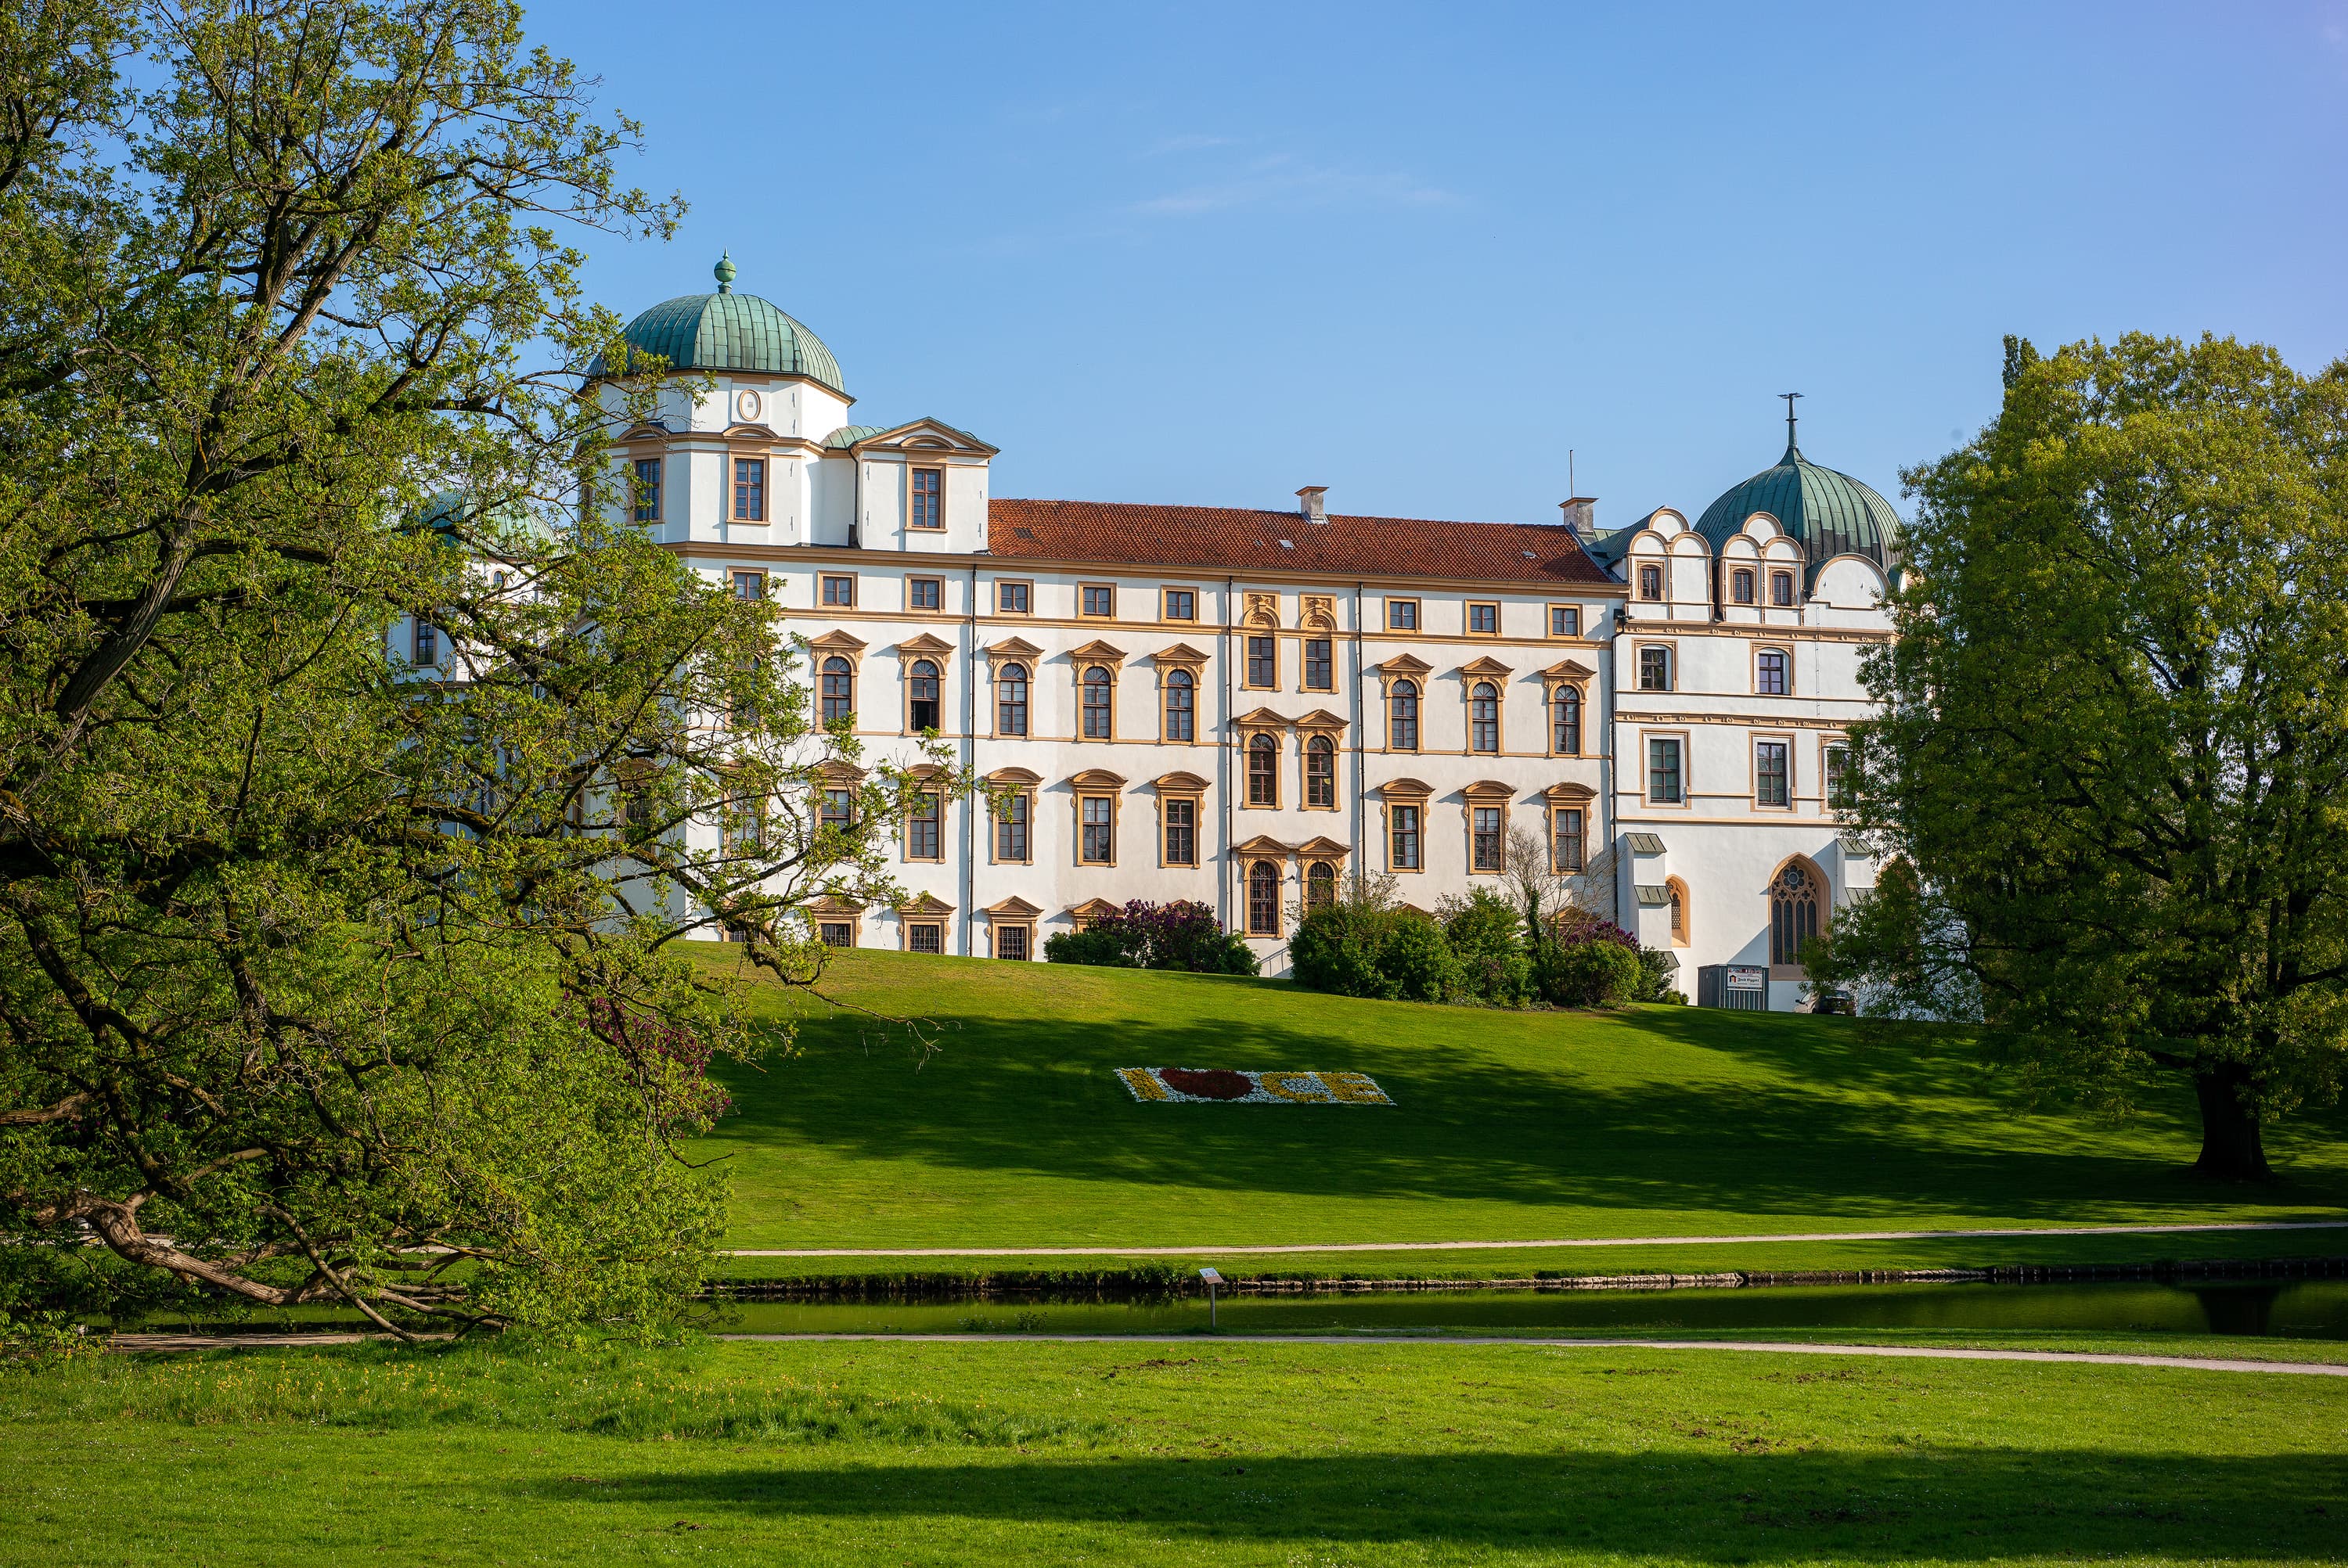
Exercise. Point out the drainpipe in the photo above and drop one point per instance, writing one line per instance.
(1361, 741)
(1224, 769)
(1606, 769)
(969, 757)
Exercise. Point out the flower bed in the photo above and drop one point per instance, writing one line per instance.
(1198, 1085)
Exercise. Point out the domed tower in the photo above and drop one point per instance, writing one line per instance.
(766, 456)
(1827, 513)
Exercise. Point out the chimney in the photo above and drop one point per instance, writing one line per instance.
(1581, 515)
(1315, 507)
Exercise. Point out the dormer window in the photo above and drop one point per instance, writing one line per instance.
(1781, 588)
(1740, 586)
(929, 499)
(1651, 582)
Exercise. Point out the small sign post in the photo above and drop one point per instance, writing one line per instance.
(1213, 1279)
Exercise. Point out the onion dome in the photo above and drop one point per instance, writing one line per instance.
(727, 331)
(1830, 513)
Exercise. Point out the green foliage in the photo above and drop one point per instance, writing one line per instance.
(1591, 974)
(1658, 974)
(322, 976)
(1487, 936)
(2108, 751)
(1101, 948)
(1416, 959)
(1337, 947)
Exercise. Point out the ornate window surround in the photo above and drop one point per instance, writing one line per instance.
(1191, 788)
(1401, 667)
(927, 909)
(1403, 792)
(1095, 784)
(938, 651)
(1192, 662)
(1021, 783)
(1472, 674)
(1014, 912)
(1564, 675)
(1488, 794)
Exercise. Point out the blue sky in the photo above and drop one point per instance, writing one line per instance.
(1208, 253)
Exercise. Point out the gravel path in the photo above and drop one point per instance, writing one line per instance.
(1513, 1246)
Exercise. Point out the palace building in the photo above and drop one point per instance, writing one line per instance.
(1246, 706)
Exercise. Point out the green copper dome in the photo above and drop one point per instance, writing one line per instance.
(1831, 514)
(727, 331)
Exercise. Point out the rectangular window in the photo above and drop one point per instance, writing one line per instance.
(1566, 843)
(1740, 586)
(922, 827)
(1484, 619)
(928, 496)
(1181, 833)
(837, 812)
(1663, 785)
(1010, 830)
(1654, 669)
(1011, 597)
(1769, 672)
(1487, 847)
(1100, 600)
(749, 585)
(1402, 615)
(427, 642)
(1403, 822)
(837, 934)
(1319, 667)
(840, 590)
(1011, 942)
(925, 937)
(1181, 604)
(749, 489)
(1769, 772)
(1781, 588)
(1837, 779)
(1099, 846)
(1565, 620)
(923, 592)
(648, 489)
(1651, 582)
(1263, 662)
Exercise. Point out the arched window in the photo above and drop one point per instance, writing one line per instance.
(1011, 699)
(1794, 900)
(1740, 585)
(1263, 899)
(922, 706)
(1565, 722)
(1321, 773)
(1181, 706)
(1679, 910)
(1484, 718)
(1320, 886)
(1402, 717)
(1263, 770)
(839, 689)
(1097, 690)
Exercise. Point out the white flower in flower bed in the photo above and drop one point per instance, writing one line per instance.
(1201, 1085)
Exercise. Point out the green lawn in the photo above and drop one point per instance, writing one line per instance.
(1152, 1453)
(1654, 1122)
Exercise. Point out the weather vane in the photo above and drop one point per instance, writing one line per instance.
(1789, 397)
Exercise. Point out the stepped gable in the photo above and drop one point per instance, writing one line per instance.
(1244, 539)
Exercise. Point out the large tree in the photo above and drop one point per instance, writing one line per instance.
(2110, 775)
(325, 975)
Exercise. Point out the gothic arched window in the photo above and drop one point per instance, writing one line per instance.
(1010, 701)
(839, 689)
(1321, 773)
(1794, 900)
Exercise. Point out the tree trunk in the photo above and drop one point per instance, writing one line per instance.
(2232, 1146)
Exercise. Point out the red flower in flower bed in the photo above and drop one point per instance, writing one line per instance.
(1211, 1084)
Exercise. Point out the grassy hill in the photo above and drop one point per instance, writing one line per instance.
(1654, 1122)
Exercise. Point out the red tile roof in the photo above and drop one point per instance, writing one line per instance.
(1243, 540)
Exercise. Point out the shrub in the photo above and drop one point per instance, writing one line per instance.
(1094, 946)
(1336, 948)
(1486, 938)
(1656, 971)
(1414, 960)
(1590, 974)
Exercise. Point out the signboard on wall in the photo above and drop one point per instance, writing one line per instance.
(1747, 977)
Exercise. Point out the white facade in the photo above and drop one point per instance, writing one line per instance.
(1233, 779)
